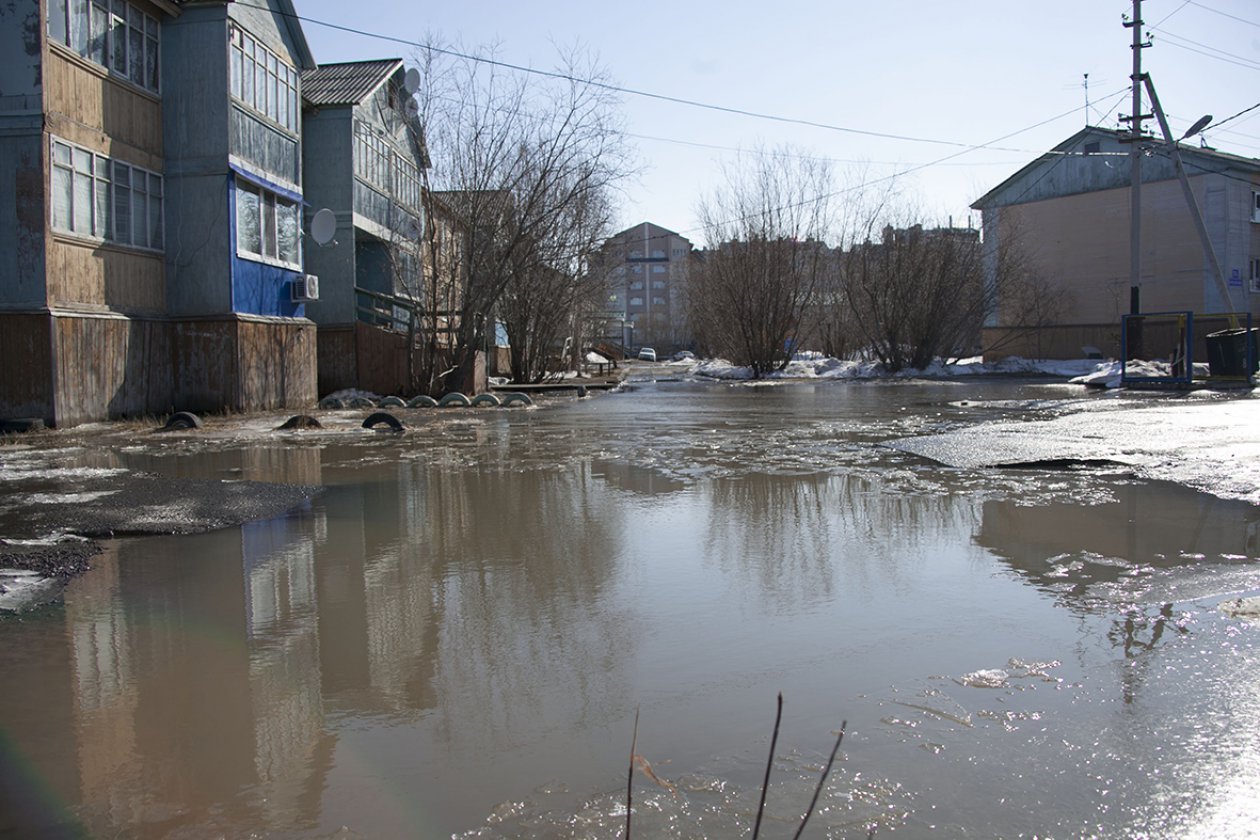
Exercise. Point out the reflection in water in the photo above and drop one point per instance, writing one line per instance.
(458, 633)
(1077, 549)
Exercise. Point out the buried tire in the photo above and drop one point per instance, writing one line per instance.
(385, 417)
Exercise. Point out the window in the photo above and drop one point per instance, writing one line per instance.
(1255, 276)
(658, 255)
(636, 285)
(260, 79)
(97, 197)
(679, 252)
(267, 225)
(658, 284)
(636, 269)
(112, 33)
(636, 301)
(658, 301)
(658, 269)
(1255, 207)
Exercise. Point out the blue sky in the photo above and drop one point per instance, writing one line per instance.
(940, 73)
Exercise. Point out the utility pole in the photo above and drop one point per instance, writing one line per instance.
(1135, 120)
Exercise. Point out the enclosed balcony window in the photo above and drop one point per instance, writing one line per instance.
(111, 33)
(267, 225)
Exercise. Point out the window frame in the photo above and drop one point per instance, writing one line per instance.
(97, 191)
(260, 80)
(116, 35)
(276, 215)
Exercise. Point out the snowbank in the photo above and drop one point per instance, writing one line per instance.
(812, 365)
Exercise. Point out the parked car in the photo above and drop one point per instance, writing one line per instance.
(647, 354)
(684, 356)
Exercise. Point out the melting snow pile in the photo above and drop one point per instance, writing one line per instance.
(813, 365)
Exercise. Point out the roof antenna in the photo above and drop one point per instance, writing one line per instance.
(1085, 84)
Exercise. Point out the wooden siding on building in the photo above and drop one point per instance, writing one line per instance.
(338, 369)
(110, 367)
(84, 105)
(80, 272)
(243, 365)
(381, 360)
(277, 364)
(26, 388)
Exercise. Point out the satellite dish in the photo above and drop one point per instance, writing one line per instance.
(323, 226)
(411, 81)
(412, 109)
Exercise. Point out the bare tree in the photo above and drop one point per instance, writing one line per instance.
(1028, 303)
(527, 163)
(918, 294)
(765, 260)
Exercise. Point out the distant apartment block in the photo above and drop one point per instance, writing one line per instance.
(649, 268)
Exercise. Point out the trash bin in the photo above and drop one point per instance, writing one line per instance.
(1228, 351)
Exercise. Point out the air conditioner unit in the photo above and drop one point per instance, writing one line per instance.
(304, 288)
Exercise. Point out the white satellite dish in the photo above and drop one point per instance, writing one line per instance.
(323, 226)
(411, 81)
(412, 109)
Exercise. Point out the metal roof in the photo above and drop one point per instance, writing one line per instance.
(347, 83)
(1199, 161)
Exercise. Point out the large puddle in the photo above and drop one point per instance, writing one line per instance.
(455, 639)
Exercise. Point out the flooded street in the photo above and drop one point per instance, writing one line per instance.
(454, 638)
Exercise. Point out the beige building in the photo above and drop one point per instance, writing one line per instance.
(1068, 212)
(650, 266)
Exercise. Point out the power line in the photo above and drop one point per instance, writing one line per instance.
(1220, 123)
(1170, 14)
(660, 97)
(1210, 52)
(1222, 14)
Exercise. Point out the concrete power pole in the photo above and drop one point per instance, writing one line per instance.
(1135, 120)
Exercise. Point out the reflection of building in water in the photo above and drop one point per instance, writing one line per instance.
(283, 665)
(39, 779)
(1150, 523)
(377, 621)
(195, 678)
(105, 690)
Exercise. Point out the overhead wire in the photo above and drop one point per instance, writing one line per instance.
(612, 88)
(964, 148)
(1223, 14)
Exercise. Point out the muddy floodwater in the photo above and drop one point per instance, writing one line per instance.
(455, 637)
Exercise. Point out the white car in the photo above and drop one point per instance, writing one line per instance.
(647, 354)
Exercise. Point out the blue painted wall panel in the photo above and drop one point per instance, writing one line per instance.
(259, 288)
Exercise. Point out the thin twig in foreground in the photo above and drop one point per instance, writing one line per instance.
(822, 781)
(765, 785)
(634, 740)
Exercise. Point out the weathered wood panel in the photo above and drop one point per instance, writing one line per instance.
(276, 364)
(336, 355)
(381, 359)
(110, 367)
(26, 377)
(85, 106)
(101, 275)
(204, 365)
